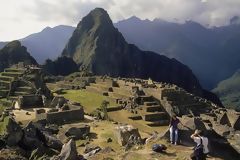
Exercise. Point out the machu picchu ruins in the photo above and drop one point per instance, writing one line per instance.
(139, 108)
(103, 98)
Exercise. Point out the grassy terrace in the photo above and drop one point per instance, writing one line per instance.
(3, 104)
(89, 100)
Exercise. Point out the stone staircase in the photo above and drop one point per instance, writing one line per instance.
(183, 102)
(12, 86)
(6, 79)
(105, 88)
(152, 112)
(148, 108)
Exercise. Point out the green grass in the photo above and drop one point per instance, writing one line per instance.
(3, 104)
(3, 125)
(89, 100)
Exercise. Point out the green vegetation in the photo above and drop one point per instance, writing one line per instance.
(3, 125)
(229, 91)
(103, 108)
(3, 104)
(89, 100)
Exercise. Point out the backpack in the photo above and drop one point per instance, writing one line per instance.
(198, 150)
(159, 147)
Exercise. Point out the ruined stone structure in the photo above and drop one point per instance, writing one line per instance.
(124, 133)
(29, 101)
(19, 81)
(55, 113)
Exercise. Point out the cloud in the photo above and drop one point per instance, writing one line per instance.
(19, 18)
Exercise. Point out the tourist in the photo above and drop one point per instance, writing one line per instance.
(173, 128)
(201, 150)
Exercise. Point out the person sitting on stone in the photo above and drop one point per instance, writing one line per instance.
(201, 150)
(173, 128)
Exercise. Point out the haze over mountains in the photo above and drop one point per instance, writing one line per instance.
(48, 43)
(228, 91)
(212, 53)
(97, 46)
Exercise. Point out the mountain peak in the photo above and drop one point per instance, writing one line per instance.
(96, 17)
(13, 53)
(13, 44)
(96, 45)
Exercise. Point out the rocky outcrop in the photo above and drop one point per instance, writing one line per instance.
(58, 66)
(125, 134)
(78, 132)
(13, 53)
(30, 139)
(68, 152)
(10, 132)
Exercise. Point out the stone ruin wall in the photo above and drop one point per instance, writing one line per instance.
(65, 116)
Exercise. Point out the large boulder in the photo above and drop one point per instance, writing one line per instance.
(10, 132)
(30, 139)
(68, 152)
(51, 141)
(91, 152)
(124, 133)
(78, 132)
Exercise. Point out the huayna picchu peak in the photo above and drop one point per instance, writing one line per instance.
(98, 46)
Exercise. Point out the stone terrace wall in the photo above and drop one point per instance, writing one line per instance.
(65, 116)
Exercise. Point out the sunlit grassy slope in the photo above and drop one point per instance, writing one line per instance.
(89, 100)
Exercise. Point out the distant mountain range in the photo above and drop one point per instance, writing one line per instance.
(212, 53)
(47, 44)
(229, 91)
(98, 47)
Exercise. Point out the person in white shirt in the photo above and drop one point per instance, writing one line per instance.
(200, 139)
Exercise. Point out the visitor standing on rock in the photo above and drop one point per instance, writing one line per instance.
(201, 150)
(173, 128)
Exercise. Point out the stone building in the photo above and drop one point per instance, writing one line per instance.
(29, 101)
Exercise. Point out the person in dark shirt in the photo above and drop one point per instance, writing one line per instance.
(173, 128)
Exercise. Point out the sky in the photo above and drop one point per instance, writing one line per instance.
(19, 18)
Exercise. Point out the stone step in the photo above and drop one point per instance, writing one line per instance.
(136, 117)
(14, 70)
(157, 116)
(20, 93)
(150, 103)
(5, 83)
(4, 93)
(12, 74)
(155, 108)
(6, 78)
(158, 123)
(12, 98)
(4, 88)
(24, 89)
(145, 98)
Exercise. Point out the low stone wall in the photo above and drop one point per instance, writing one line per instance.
(65, 116)
(112, 109)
